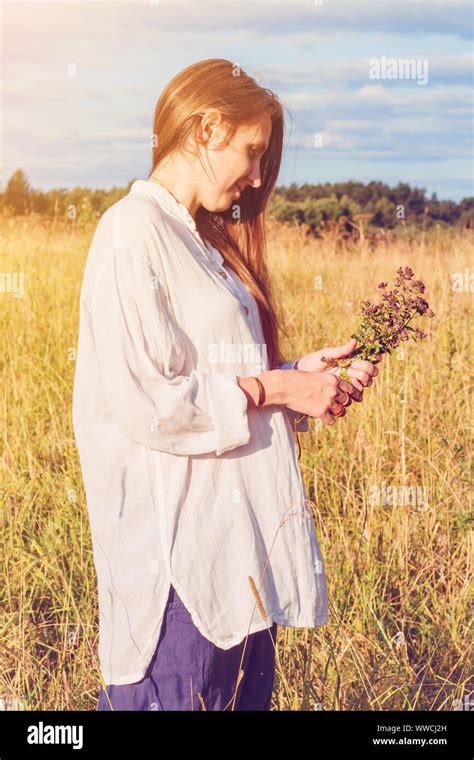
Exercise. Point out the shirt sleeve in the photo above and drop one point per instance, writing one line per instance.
(288, 365)
(141, 353)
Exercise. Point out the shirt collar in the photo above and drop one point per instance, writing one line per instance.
(175, 208)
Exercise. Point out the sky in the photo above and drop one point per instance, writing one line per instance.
(80, 80)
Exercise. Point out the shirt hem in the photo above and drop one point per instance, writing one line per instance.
(140, 674)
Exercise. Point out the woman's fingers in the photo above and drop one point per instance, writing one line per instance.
(342, 397)
(365, 366)
(331, 413)
(354, 391)
(345, 386)
(361, 373)
(363, 377)
(357, 384)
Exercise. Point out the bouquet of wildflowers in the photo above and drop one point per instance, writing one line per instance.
(385, 324)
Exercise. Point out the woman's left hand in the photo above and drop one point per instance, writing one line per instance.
(361, 371)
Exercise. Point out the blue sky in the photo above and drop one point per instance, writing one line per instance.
(93, 127)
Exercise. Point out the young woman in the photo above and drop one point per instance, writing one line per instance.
(184, 414)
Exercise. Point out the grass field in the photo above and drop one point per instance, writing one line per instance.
(398, 573)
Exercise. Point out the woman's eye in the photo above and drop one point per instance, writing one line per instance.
(253, 152)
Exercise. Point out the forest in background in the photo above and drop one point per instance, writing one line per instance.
(314, 206)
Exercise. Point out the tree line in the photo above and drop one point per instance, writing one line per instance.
(375, 203)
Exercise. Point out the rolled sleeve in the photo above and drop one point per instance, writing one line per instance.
(141, 353)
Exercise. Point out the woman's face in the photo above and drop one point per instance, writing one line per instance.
(235, 166)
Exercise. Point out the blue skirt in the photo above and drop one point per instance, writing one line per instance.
(188, 672)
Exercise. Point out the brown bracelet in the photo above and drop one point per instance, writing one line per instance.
(261, 392)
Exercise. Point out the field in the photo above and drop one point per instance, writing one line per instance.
(398, 568)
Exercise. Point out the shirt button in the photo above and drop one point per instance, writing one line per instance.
(223, 273)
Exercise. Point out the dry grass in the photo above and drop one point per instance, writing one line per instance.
(398, 636)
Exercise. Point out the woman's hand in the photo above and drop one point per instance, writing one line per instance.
(317, 394)
(361, 370)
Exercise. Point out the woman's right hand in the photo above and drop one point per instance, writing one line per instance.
(318, 394)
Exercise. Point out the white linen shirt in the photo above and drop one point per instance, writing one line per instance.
(184, 484)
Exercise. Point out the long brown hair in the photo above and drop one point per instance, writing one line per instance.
(219, 84)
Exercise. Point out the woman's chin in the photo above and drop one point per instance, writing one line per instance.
(225, 201)
(223, 206)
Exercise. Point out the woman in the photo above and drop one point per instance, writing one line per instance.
(184, 414)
